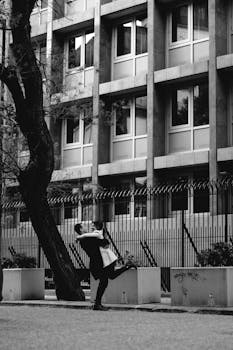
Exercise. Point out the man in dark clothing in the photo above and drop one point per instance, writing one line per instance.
(91, 245)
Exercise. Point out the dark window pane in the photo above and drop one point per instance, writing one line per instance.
(44, 4)
(74, 59)
(201, 104)
(180, 23)
(72, 130)
(201, 201)
(56, 212)
(87, 130)
(124, 38)
(123, 119)
(141, 36)
(42, 58)
(180, 107)
(89, 49)
(180, 200)
(122, 206)
(43, 53)
(141, 116)
(200, 20)
(87, 211)
(68, 211)
(23, 216)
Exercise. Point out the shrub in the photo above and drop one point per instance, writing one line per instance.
(19, 261)
(220, 255)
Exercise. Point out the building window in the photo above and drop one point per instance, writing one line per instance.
(180, 104)
(78, 130)
(41, 5)
(40, 53)
(77, 140)
(129, 53)
(81, 51)
(44, 4)
(189, 123)
(24, 216)
(188, 33)
(131, 37)
(129, 134)
(180, 23)
(200, 20)
(134, 205)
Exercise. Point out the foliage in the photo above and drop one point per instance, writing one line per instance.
(132, 259)
(220, 255)
(19, 261)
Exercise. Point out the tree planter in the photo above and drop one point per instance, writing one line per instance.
(23, 283)
(135, 286)
(202, 286)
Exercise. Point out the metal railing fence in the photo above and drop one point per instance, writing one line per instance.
(163, 226)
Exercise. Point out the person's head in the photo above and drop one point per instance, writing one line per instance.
(78, 228)
(97, 225)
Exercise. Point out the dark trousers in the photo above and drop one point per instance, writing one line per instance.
(109, 272)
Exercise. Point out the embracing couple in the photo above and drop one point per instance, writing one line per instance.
(102, 259)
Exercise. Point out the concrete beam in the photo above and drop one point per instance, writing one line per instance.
(122, 8)
(181, 73)
(116, 87)
(78, 21)
(79, 172)
(183, 159)
(125, 166)
(72, 95)
(225, 62)
(225, 154)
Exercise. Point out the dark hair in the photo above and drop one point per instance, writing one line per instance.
(98, 225)
(77, 228)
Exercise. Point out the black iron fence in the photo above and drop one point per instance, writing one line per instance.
(162, 226)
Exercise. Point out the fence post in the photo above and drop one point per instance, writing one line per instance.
(39, 255)
(226, 214)
(182, 238)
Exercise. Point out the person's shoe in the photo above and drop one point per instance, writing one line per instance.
(100, 307)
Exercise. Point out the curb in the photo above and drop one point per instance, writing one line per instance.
(149, 308)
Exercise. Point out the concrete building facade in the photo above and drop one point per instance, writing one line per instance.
(140, 91)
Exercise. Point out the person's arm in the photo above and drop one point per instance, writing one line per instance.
(95, 234)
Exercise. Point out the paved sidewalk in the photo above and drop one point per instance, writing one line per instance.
(165, 305)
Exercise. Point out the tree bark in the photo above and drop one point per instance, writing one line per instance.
(34, 179)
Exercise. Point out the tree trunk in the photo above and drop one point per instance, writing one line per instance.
(65, 276)
(34, 179)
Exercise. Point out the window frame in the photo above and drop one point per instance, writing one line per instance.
(82, 66)
(185, 127)
(189, 42)
(75, 145)
(38, 8)
(131, 136)
(133, 20)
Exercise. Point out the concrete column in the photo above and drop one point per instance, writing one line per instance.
(217, 94)
(155, 115)
(49, 39)
(96, 105)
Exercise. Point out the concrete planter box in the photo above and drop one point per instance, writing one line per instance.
(135, 286)
(202, 286)
(22, 284)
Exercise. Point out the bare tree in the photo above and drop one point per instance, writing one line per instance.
(24, 81)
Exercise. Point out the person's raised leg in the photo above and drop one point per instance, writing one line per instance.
(114, 273)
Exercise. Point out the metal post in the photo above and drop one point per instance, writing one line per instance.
(182, 238)
(39, 255)
(226, 214)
